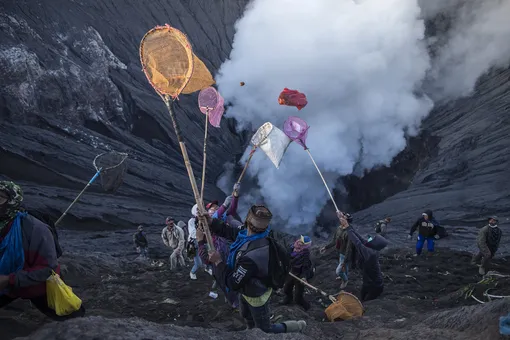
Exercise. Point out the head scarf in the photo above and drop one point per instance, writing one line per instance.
(13, 204)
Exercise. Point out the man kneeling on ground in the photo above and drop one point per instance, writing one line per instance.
(27, 254)
(247, 268)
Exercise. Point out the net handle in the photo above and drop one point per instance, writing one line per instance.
(331, 297)
(200, 203)
(253, 149)
(205, 153)
(125, 156)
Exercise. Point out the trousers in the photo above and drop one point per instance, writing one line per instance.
(421, 242)
(259, 317)
(176, 257)
(343, 274)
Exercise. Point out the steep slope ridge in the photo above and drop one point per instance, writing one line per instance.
(466, 178)
(72, 87)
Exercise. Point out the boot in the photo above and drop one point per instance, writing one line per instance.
(295, 326)
(481, 271)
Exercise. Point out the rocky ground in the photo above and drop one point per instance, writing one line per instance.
(129, 299)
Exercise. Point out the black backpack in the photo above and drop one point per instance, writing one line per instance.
(51, 226)
(279, 264)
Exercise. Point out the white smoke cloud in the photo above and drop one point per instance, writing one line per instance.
(478, 39)
(360, 65)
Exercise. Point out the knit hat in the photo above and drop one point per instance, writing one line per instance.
(494, 217)
(194, 210)
(210, 204)
(258, 218)
(181, 224)
(140, 228)
(305, 240)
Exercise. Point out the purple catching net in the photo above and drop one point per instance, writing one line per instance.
(216, 114)
(296, 129)
(208, 99)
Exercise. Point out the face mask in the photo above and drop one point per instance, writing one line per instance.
(493, 225)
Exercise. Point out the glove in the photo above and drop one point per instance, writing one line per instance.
(236, 188)
(228, 200)
(436, 237)
(409, 237)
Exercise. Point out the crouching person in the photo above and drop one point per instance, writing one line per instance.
(28, 254)
(247, 269)
(302, 267)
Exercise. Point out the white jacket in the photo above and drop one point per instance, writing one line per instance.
(192, 230)
(173, 239)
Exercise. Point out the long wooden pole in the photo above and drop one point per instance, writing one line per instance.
(246, 165)
(205, 153)
(187, 163)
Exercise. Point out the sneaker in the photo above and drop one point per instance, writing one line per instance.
(344, 284)
(208, 271)
(192, 276)
(481, 271)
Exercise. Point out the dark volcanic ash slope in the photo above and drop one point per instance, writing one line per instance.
(72, 87)
(463, 177)
(423, 297)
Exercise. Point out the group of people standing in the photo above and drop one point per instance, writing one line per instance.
(243, 263)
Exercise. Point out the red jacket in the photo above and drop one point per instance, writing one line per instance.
(40, 259)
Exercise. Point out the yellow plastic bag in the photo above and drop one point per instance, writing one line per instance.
(60, 296)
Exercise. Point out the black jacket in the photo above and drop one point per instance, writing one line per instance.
(369, 260)
(140, 240)
(251, 267)
(426, 228)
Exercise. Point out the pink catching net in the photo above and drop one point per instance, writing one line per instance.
(216, 114)
(296, 129)
(208, 99)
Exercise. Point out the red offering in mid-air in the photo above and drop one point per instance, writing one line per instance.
(292, 98)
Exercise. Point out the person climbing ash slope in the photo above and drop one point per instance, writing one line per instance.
(488, 241)
(426, 226)
(173, 237)
(247, 269)
(141, 243)
(28, 254)
(302, 267)
(367, 259)
(343, 246)
(381, 227)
